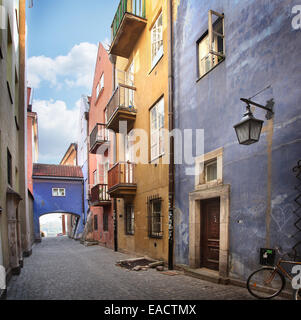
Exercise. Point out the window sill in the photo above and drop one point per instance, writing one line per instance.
(130, 234)
(155, 237)
(209, 185)
(154, 66)
(205, 74)
(157, 158)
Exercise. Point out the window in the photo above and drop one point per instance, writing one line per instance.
(129, 219)
(157, 132)
(16, 99)
(106, 170)
(9, 169)
(211, 46)
(100, 85)
(95, 223)
(95, 177)
(157, 40)
(9, 62)
(211, 171)
(129, 80)
(155, 217)
(58, 192)
(105, 221)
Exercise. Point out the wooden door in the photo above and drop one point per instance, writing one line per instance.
(210, 233)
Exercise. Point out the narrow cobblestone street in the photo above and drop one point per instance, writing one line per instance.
(60, 268)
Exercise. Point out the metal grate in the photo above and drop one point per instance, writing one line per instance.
(130, 219)
(297, 212)
(155, 217)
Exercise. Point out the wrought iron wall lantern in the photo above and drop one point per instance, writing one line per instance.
(248, 130)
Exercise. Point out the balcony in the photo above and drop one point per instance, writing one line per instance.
(100, 196)
(98, 136)
(127, 26)
(122, 180)
(121, 108)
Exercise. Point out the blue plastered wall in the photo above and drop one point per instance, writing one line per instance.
(45, 203)
(262, 49)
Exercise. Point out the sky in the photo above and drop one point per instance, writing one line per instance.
(62, 42)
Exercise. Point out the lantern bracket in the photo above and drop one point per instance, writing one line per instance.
(269, 107)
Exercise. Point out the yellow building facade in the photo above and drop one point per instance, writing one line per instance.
(139, 180)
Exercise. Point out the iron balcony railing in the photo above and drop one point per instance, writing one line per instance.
(99, 193)
(135, 7)
(122, 173)
(122, 98)
(98, 135)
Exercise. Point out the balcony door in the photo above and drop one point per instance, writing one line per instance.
(105, 174)
(129, 157)
(129, 81)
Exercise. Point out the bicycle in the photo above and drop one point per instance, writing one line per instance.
(268, 281)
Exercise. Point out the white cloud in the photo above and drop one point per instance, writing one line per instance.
(57, 128)
(76, 69)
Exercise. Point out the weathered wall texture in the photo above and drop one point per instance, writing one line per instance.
(12, 127)
(261, 49)
(45, 203)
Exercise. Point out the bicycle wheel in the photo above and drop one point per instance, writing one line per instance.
(297, 294)
(265, 283)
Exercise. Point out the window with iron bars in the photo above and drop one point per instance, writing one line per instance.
(129, 219)
(105, 221)
(155, 218)
(9, 169)
(95, 223)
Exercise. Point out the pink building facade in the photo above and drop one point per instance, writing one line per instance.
(101, 152)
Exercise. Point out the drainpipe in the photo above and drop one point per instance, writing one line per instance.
(115, 226)
(115, 214)
(83, 201)
(87, 117)
(171, 141)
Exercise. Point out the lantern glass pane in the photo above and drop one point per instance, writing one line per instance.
(255, 129)
(243, 132)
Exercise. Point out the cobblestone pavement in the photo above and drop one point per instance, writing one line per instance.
(60, 268)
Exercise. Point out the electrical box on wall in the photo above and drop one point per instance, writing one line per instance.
(267, 257)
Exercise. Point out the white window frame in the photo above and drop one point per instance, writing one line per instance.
(208, 55)
(106, 168)
(156, 39)
(95, 177)
(100, 85)
(157, 130)
(200, 168)
(130, 81)
(58, 192)
(207, 164)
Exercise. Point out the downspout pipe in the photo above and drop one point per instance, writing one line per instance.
(171, 191)
(113, 59)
